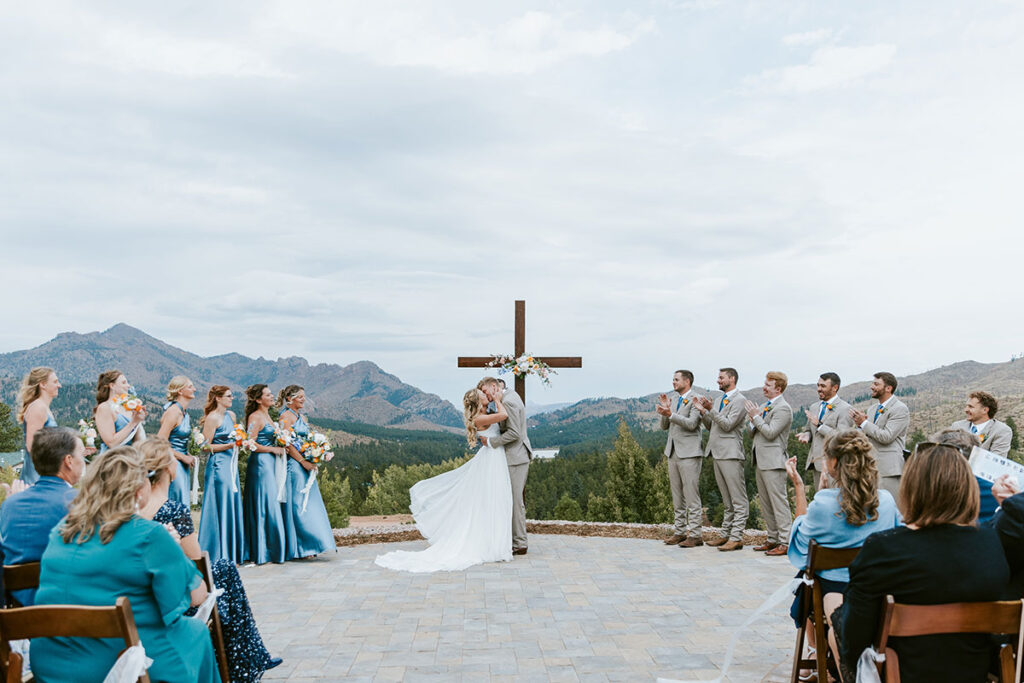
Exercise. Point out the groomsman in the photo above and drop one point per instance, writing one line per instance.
(981, 411)
(725, 418)
(886, 429)
(830, 415)
(770, 424)
(681, 418)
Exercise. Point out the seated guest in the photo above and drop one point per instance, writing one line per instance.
(840, 517)
(939, 557)
(247, 657)
(966, 442)
(104, 550)
(1009, 524)
(27, 518)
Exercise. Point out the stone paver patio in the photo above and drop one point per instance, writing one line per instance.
(574, 608)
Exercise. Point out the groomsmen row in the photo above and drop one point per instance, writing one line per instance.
(727, 418)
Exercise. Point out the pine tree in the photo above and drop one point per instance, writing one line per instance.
(10, 433)
(1012, 424)
(337, 495)
(631, 480)
(568, 509)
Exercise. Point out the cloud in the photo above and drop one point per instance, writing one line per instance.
(814, 37)
(830, 67)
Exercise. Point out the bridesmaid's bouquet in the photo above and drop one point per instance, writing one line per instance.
(522, 366)
(242, 440)
(285, 435)
(87, 432)
(196, 441)
(129, 403)
(316, 448)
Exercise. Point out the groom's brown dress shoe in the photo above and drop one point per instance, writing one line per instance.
(764, 547)
(691, 542)
(714, 543)
(732, 545)
(778, 551)
(518, 551)
(675, 539)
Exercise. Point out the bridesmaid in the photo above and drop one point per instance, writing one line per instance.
(264, 526)
(113, 426)
(220, 526)
(176, 427)
(38, 389)
(308, 532)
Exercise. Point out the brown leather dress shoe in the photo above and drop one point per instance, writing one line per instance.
(519, 551)
(691, 542)
(764, 547)
(778, 551)
(731, 545)
(675, 539)
(717, 542)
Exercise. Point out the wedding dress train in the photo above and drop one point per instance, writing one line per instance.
(465, 514)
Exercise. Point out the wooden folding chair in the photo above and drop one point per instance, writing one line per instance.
(819, 558)
(63, 621)
(19, 577)
(899, 620)
(213, 623)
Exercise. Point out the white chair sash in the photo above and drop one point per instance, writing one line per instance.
(132, 663)
(867, 672)
(205, 608)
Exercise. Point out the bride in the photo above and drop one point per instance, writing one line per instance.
(465, 514)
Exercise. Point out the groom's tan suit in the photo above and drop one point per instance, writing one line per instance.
(771, 438)
(518, 453)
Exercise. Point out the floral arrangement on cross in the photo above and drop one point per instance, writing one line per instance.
(526, 364)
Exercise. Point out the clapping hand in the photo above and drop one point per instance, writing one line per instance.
(1004, 487)
(811, 417)
(858, 416)
(804, 437)
(16, 486)
(663, 406)
(751, 408)
(793, 472)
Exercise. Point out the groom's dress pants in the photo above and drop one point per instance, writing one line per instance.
(517, 474)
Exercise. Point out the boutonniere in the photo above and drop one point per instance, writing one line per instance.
(881, 410)
(686, 401)
(829, 406)
(726, 402)
(982, 437)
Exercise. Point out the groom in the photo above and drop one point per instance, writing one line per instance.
(518, 453)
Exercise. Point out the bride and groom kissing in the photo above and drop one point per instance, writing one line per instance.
(475, 513)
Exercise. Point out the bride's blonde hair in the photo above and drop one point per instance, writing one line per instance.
(473, 407)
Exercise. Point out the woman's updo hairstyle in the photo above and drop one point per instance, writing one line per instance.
(252, 400)
(103, 385)
(857, 475)
(285, 396)
(175, 386)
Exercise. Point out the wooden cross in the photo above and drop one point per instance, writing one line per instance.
(520, 349)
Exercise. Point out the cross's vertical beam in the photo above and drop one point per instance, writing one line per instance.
(521, 345)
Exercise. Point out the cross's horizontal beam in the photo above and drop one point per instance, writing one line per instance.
(551, 361)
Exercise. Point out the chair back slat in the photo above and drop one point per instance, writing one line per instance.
(19, 577)
(820, 558)
(958, 617)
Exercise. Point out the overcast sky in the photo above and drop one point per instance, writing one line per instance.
(802, 186)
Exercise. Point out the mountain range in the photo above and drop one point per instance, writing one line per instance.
(360, 392)
(363, 392)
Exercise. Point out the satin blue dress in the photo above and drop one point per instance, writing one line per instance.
(264, 526)
(120, 422)
(220, 527)
(28, 468)
(181, 487)
(308, 533)
(143, 563)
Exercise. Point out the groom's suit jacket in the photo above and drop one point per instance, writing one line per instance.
(996, 436)
(514, 438)
(835, 419)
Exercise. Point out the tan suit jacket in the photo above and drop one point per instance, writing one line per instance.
(888, 434)
(996, 436)
(771, 434)
(725, 440)
(683, 427)
(513, 432)
(836, 419)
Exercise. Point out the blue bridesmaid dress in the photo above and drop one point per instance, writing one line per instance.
(28, 468)
(120, 422)
(220, 526)
(181, 487)
(309, 533)
(264, 527)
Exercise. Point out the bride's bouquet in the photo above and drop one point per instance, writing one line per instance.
(316, 448)
(87, 432)
(525, 364)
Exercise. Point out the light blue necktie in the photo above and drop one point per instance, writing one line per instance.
(679, 403)
(878, 411)
(764, 411)
(821, 413)
(974, 429)
(721, 404)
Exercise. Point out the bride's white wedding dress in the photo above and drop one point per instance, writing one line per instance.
(465, 514)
